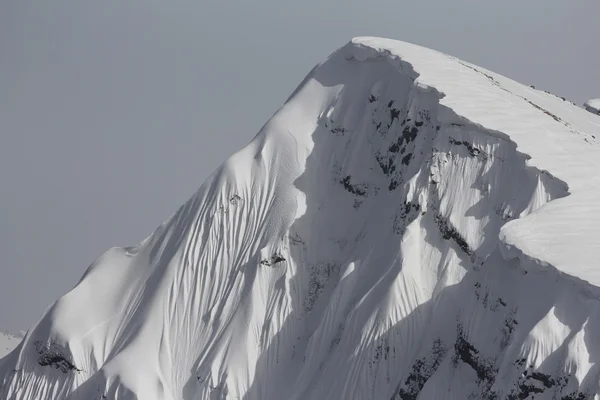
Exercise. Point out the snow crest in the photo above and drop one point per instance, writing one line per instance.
(406, 226)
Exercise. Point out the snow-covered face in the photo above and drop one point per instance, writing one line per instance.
(407, 226)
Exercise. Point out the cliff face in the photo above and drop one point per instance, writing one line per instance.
(406, 226)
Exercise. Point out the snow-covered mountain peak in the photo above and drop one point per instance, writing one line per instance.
(563, 144)
(407, 225)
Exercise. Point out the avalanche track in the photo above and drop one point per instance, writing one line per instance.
(406, 226)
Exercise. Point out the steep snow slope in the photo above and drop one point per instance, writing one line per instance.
(8, 342)
(406, 226)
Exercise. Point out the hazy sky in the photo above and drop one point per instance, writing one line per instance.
(113, 112)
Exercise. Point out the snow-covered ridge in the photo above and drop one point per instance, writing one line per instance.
(8, 342)
(406, 226)
(564, 143)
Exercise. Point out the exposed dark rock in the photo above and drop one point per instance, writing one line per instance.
(54, 355)
(410, 134)
(556, 118)
(275, 258)
(473, 151)
(524, 391)
(489, 300)
(488, 76)
(394, 114)
(560, 97)
(356, 189)
(235, 200)
(407, 214)
(338, 130)
(450, 232)
(386, 164)
(577, 396)
(421, 371)
(508, 328)
(533, 382)
(395, 147)
(520, 362)
(382, 351)
(468, 354)
(424, 115)
(544, 378)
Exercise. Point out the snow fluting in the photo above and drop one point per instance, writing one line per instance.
(407, 226)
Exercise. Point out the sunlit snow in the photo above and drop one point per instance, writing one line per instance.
(406, 226)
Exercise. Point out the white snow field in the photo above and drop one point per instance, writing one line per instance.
(8, 342)
(593, 106)
(406, 226)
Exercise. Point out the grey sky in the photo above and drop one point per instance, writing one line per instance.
(113, 112)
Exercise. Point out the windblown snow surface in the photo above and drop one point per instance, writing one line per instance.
(8, 342)
(406, 226)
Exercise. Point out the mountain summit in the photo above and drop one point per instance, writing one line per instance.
(406, 226)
